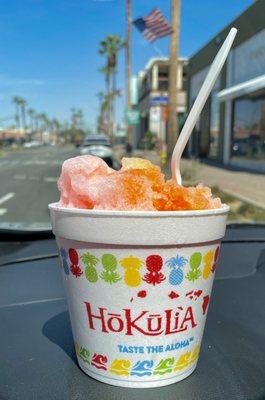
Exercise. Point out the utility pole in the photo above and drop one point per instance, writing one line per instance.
(128, 65)
(173, 73)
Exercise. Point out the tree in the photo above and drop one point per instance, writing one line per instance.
(106, 115)
(15, 101)
(77, 117)
(56, 127)
(103, 118)
(109, 47)
(55, 124)
(76, 131)
(23, 104)
(44, 119)
(31, 114)
(20, 112)
(173, 67)
(37, 119)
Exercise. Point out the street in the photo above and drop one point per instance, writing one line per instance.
(28, 183)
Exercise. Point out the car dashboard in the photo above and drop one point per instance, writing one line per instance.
(36, 345)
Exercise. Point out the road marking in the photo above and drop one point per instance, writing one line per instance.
(35, 162)
(50, 179)
(34, 178)
(19, 176)
(3, 211)
(6, 197)
(56, 162)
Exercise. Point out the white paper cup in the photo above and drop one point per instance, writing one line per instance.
(138, 286)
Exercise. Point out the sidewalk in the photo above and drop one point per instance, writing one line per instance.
(246, 186)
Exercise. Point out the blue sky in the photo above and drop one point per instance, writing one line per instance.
(49, 48)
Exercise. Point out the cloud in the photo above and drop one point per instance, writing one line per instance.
(34, 82)
(6, 81)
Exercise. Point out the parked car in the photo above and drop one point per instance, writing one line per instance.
(33, 143)
(100, 146)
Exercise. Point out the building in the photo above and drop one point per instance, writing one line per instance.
(231, 128)
(9, 136)
(152, 92)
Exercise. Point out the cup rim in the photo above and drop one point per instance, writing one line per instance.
(150, 214)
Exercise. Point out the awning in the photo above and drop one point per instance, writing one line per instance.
(242, 89)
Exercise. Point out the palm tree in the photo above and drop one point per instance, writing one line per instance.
(20, 115)
(106, 72)
(109, 47)
(100, 96)
(43, 119)
(16, 102)
(79, 117)
(37, 120)
(73, 116)
(107, 106)
(102, 117)
(23, 104)
(56, 126)
(31, 114)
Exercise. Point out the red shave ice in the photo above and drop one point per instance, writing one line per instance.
(87, 182)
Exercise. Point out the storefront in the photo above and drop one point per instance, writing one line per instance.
(232, 125)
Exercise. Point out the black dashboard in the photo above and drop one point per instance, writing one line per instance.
(36, 348)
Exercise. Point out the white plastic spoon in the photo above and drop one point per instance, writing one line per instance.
(198, 105)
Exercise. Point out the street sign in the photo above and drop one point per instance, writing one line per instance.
(133, 117)
(158, 100)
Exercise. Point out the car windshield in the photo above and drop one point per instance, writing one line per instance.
(96, 141)
(118, 78)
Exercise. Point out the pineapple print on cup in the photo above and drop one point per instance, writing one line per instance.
(195, 262)
(131, 266)
(176, 274)
(90, 262)
(64, 262)
(74, 259)
(154, 264)
(109, 263)
(208, 262)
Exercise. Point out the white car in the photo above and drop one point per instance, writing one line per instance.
(33, 143)
(100, 146)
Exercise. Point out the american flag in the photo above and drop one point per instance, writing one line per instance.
(153, 26)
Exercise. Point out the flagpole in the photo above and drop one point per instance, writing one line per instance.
(128, 65)
(173, 71)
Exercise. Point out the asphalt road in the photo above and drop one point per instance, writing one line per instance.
(28, 184)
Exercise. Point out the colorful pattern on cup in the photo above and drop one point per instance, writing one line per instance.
(139, 368)
(111, 270)
(138, 313)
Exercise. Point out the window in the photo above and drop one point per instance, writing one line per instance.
(249, 128)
